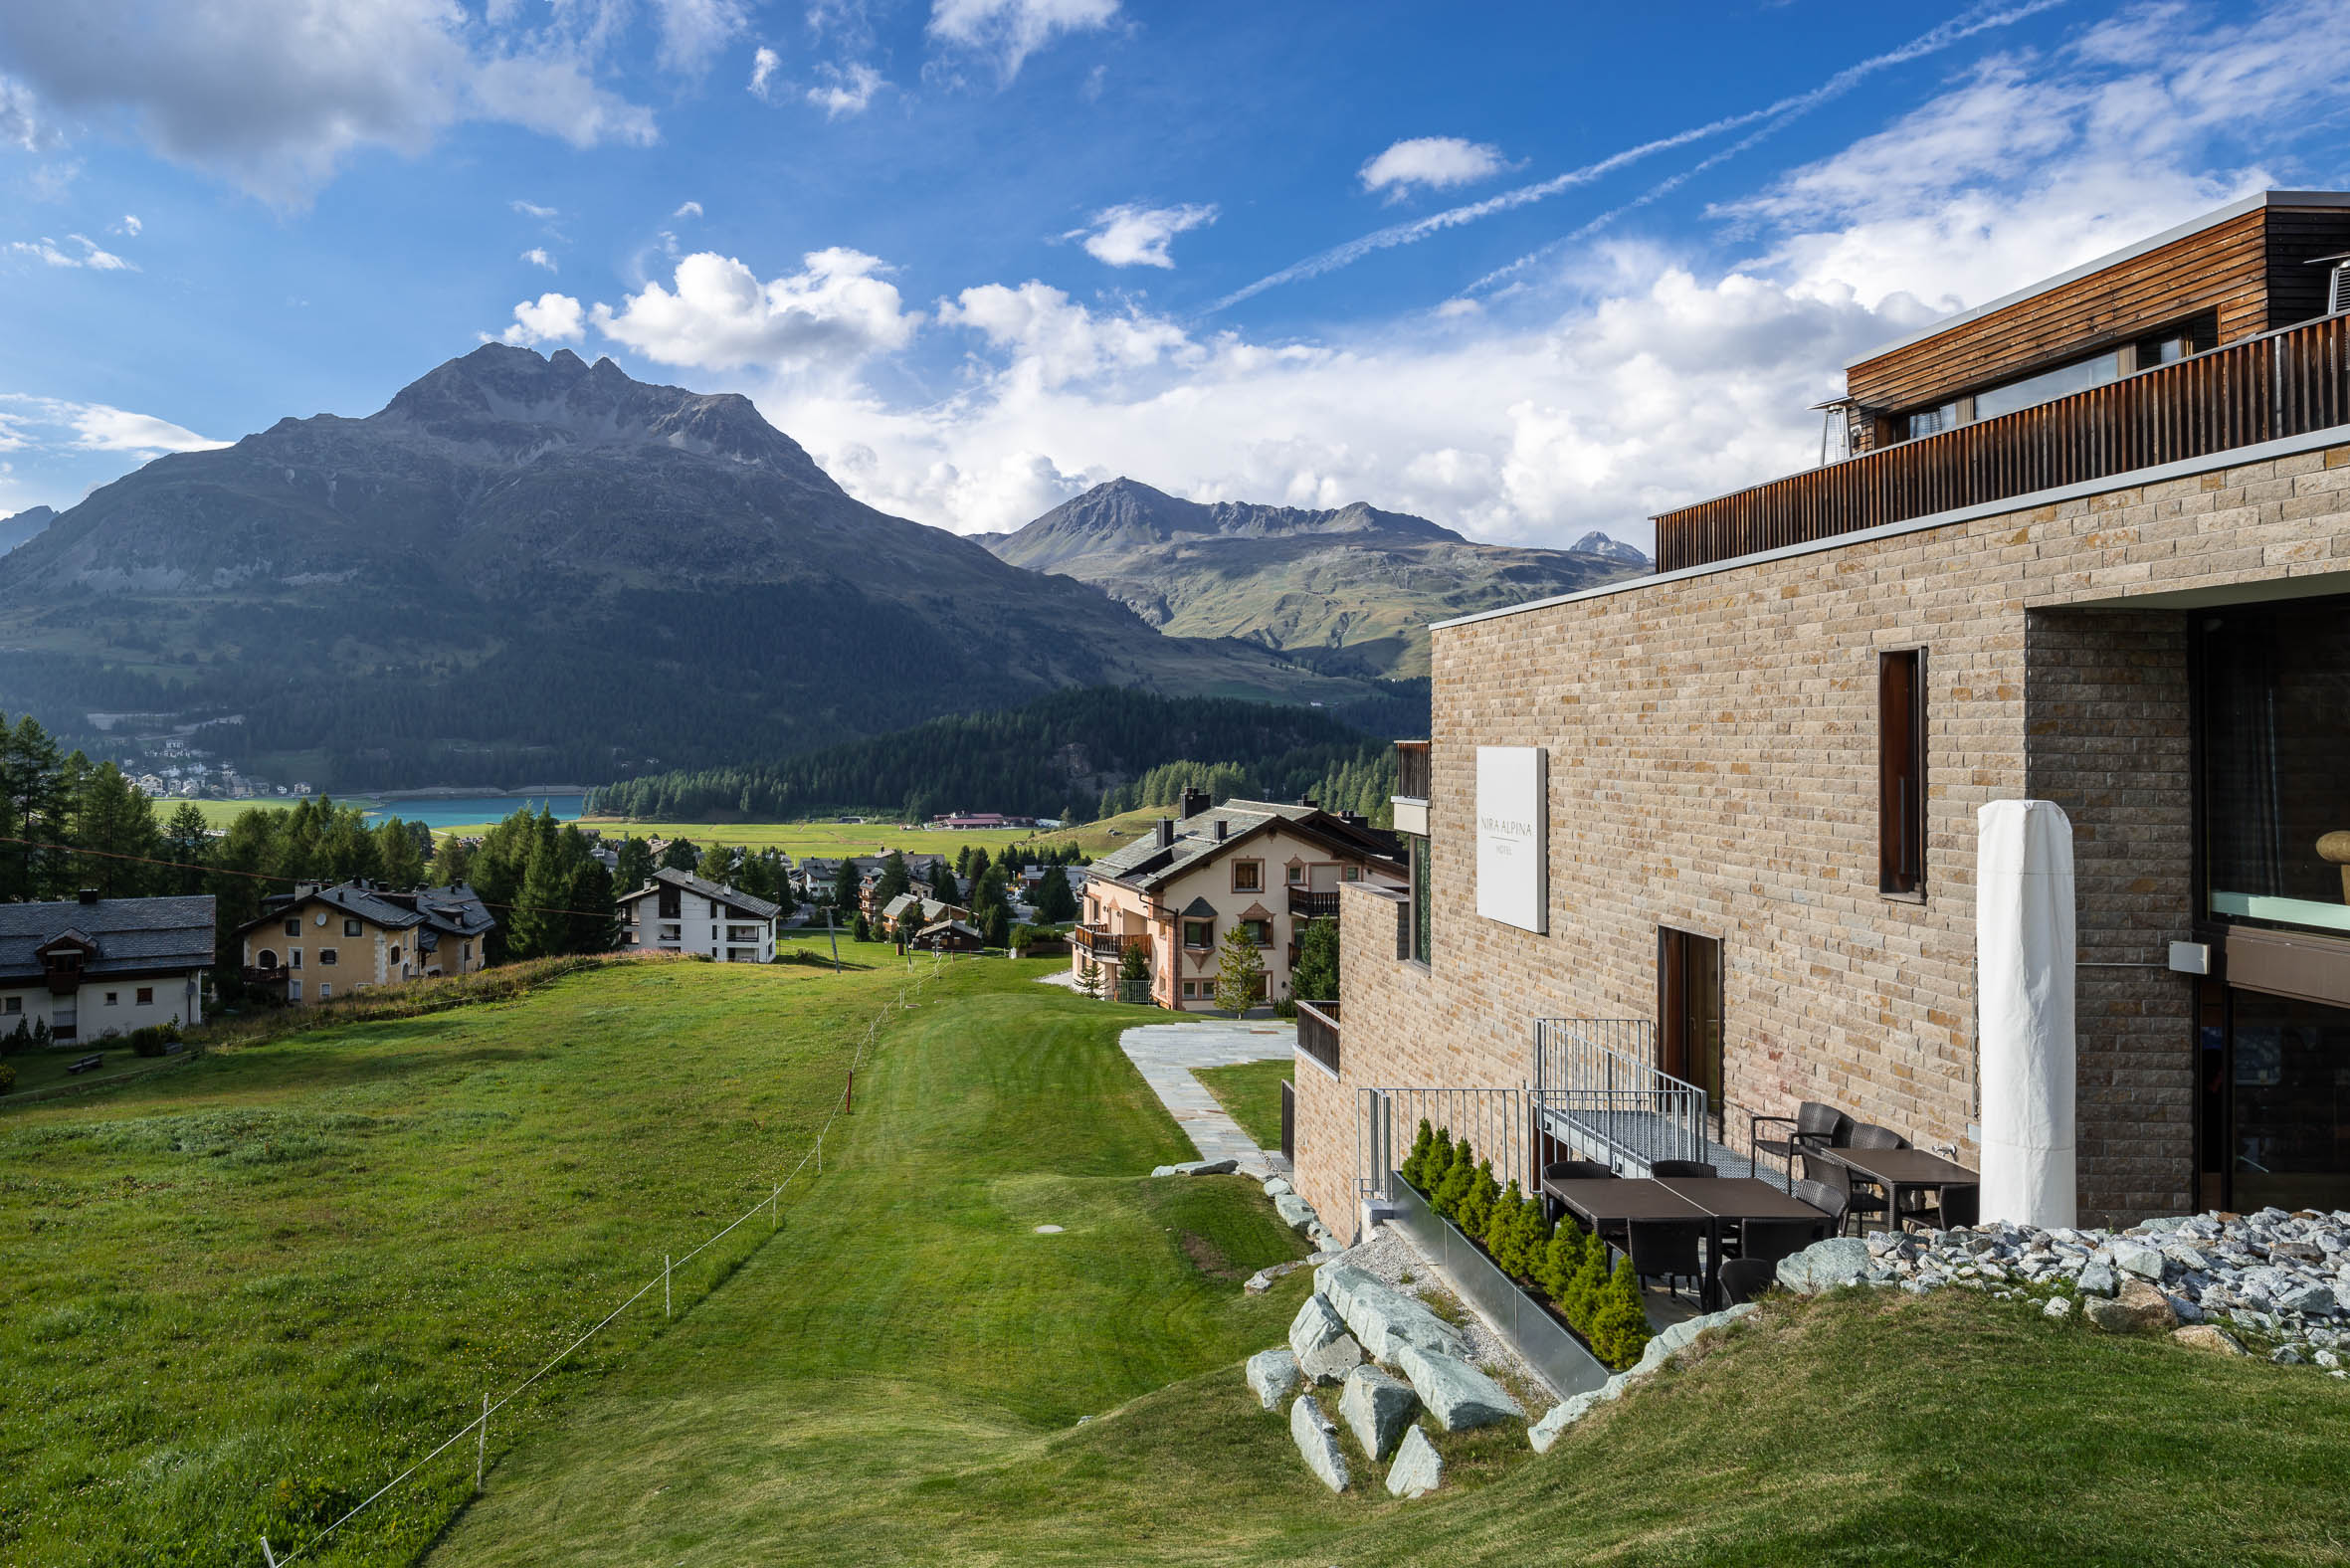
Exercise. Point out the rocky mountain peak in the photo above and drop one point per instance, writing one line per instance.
(1609, 550)
(507, 401)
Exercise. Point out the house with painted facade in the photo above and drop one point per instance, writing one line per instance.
(323, 940)
(1264, 865)
(680, 913)
(1715, 830)
(94, 967)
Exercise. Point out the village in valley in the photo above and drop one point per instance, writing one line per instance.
(1320, 1006)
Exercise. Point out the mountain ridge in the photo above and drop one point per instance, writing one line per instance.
(535, 564)
(1349, 588)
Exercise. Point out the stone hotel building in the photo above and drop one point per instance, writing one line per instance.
(2088, 544)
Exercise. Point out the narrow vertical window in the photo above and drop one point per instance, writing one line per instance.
(1901, 771)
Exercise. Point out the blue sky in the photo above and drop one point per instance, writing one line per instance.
(1527, 269)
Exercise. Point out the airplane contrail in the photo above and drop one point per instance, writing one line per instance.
(1981, 19)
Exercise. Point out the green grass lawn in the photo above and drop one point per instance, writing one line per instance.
(40, 1069)
(236, 1296)
(1251, 1093)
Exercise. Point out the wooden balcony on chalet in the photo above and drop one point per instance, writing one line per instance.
(2289, 382)
(1309, 905)
(1099, 945)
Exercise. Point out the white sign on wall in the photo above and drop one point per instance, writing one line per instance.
(1512, 836)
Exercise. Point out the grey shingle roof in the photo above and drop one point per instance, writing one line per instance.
(456, 909)
(130, 935)
(733, 897)
(1144, 864)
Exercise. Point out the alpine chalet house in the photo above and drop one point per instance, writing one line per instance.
(1714, 831)
(323, 941)
(677, 912)
(94, 967)
(1176, 893)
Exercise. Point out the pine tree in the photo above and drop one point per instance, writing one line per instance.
(593, 925)
(1585, 1291)
(1089, 977)
(1476, 1200)
(1316, 976)
(1240, 971)
(861, 931)
(114, 824)
(1455, 1188)
(1438, 1165)
(187, 842)
(453, 862)
(636, 865)
(1135, 976)
(1410, 1170)
(998, 931)
(1619, 1327)
(34, 802)
(894, 879)
(395, 854)
(681, 854)
(1055, 904)
(1561, 1256)
(943, 886)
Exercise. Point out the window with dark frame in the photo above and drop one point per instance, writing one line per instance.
(1248, 876)
(1901, 771)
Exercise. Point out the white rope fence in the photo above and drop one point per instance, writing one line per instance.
(478, 1427)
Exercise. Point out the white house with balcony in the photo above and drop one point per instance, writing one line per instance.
(678, 913)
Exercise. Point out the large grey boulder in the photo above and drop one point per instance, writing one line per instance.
(1317, 1439)
(1273, 1377)
(1675, 1338)
(2138, 1258)
(1294, 1211)
(1376, 1409)
(2139, 1309)
(1316, 1325)
(1384, 1318)
(1274, 1186)
(1456, 1393)
(1418, 1468)
(1331, 1363)
(1822, 1266)
(2095, 1278)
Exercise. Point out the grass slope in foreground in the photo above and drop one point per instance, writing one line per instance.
(897, 1379)
(238, 1296)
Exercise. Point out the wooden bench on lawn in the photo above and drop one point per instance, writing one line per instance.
(88, 1062)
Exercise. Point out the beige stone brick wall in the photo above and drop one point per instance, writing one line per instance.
(1712, 767)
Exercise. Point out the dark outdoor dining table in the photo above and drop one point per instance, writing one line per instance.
(1718, 1201)
(1902, 1170)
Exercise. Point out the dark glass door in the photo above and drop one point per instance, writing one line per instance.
(1689, 1013)
(2288, 1103)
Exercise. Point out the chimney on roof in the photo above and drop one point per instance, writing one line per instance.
(1166, 833)
(88, 896)
(1221, 827)
(1308, 800)
(1195, 801)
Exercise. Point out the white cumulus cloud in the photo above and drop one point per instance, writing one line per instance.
(718, 315)
(47, 251)
(764, 63)
(551, 318)
(690, 209)
(537, 257)
(275, 94)
(1432, 163)
(130, 225)
(845, 89)
(1009, 31)
(1136, 236)
(693, 31)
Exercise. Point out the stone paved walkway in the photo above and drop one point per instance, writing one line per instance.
(1166, 1054)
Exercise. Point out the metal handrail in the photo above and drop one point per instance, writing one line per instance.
(1386, 1121)
(1599, 1075)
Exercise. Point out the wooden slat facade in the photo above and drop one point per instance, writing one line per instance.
(2264, 388)
(2248, 272)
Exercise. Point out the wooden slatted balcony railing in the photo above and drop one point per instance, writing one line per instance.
(2289, 382)
(1317, 1032)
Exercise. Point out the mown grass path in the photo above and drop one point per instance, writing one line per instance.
(238, 1296)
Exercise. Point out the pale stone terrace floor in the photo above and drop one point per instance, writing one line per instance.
(1166, 1054)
